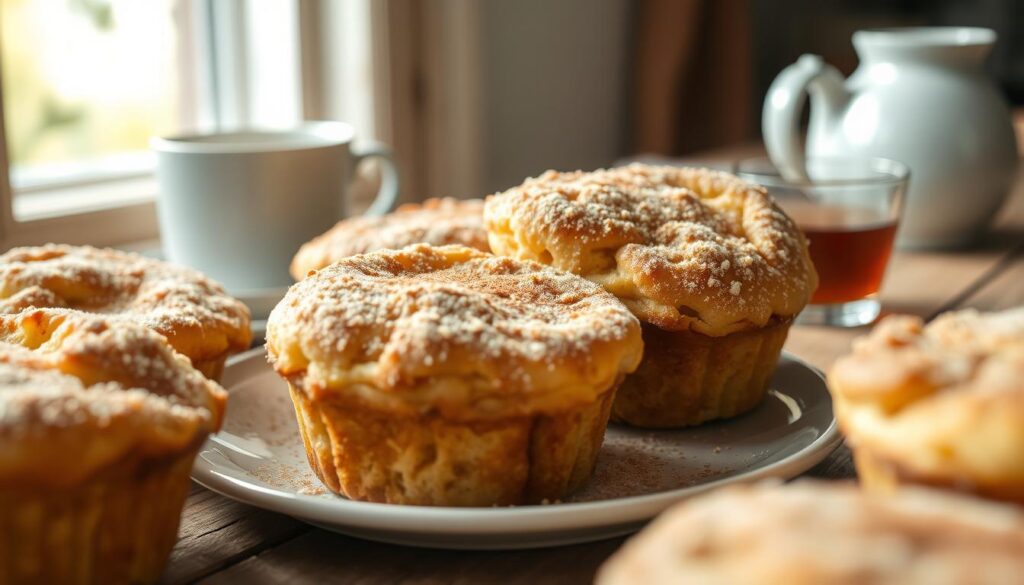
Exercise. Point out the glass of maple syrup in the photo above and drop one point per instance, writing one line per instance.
(849, 210)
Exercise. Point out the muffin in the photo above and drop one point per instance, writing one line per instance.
(445, 376)
(808, 533)
(437, 222)
(940, 404)
(99, 423)
(192, 312)
(714, 270)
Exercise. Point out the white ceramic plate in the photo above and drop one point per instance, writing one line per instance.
(258, 458)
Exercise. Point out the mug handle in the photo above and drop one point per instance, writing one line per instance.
(390, 181)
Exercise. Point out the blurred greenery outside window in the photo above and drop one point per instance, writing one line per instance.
(86, 83)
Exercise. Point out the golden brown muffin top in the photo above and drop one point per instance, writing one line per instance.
(808, 533)
(194, 313)
(945, 398)
(453, 330)
(684, 248)
(438, 222)
(80, 393)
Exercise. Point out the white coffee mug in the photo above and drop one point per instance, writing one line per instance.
(238, 205)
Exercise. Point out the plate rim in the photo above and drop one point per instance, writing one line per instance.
(454, 521)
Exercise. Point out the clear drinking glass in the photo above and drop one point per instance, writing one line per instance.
(849, 210)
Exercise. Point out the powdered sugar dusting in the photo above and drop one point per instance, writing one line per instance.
(106, 387)
(701, 245)
(165, 297)
(96, 350)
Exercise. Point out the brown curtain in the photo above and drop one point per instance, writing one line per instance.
(693, 76)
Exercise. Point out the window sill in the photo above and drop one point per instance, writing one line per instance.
(81, 199)
(112, 213)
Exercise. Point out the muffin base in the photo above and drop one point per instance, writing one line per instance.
(365, 454)
(687, 378)
(879, 475)
(117, 528)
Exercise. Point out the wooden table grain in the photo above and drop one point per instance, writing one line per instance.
(223, 541)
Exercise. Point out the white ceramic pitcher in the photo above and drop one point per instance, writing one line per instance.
(919, 96)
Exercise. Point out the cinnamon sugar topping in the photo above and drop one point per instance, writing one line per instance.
(409, 320)
(195, 314)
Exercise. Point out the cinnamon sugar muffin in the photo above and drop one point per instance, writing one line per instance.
(711, 266)
(939, 404)
(194, 313)
(809, 533)
(446, 376)
(437, 222)
(99, 423)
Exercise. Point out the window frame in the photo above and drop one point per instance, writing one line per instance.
(430, 94)
(127, 213)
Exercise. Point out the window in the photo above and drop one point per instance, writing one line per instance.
(84, 84)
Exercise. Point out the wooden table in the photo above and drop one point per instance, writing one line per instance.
(223, 541)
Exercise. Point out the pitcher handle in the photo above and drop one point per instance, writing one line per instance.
(390, 180)
(780, 119)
